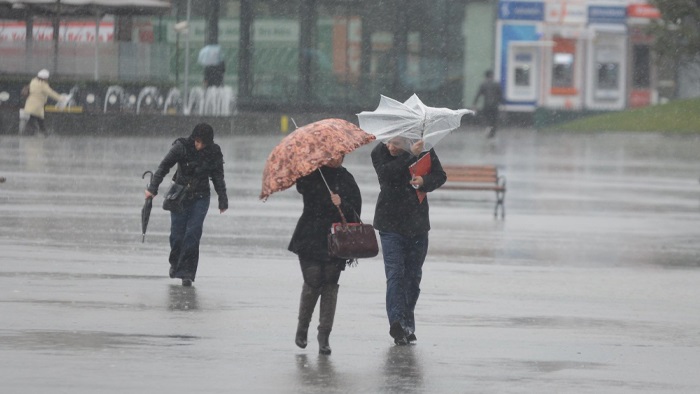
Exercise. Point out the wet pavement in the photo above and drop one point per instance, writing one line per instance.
(589, 285)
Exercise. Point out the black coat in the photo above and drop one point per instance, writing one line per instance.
(194, 168)
(310, 238)
(398, 208)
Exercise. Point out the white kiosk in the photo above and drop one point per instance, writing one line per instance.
(518, 54)
(606, 69)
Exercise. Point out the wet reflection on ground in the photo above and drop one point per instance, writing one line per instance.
(402, 370)
(182, 298)
(318, 375)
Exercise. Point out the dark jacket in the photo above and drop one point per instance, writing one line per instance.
(398, 208)
(310, 238)
(491, 90)
(194, 168)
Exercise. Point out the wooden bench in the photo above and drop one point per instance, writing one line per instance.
(477, 178)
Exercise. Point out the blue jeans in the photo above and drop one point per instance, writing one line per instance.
(185, 232)
(403, 266)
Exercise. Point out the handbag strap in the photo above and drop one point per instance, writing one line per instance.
(342, 217)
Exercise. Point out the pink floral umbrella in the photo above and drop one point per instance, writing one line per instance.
(308, 148)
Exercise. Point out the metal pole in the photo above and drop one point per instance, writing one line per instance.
(187, 54)
(97, 45)
(29, 43)
(56, 32)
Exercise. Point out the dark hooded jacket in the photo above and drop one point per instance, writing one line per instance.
(310, 238)
(194, 168)
(398, 209)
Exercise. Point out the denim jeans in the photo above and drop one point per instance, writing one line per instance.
(403, 266)
(185, 233)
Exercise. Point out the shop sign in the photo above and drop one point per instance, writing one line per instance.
(606, 14)
(521, 10)
(566, 12)
(646, 11)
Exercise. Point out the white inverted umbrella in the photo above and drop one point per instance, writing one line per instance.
(411, 119)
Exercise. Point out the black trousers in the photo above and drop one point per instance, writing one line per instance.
(34, 125)
(318, 273)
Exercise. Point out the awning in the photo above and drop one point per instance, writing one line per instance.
(18, 9)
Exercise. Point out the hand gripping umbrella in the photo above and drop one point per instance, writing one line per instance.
(411, 119)
(146, 210)
(308, 148)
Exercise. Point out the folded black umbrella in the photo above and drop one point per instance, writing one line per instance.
(146, 210)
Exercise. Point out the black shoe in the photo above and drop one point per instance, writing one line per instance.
(398, 333)
(411, 337)
(186, 282)
(396, 330)
(171, 272)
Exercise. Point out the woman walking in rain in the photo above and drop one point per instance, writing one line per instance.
(198, 160)
(320, 271)
(403, 224)
(39, 93)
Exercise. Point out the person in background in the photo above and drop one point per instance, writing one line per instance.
(39, 92)
(320, 271)
(198, 159)
(491, 91)
(403, 224)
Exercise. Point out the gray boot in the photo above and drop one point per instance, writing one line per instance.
(307, 304)
(329, 298)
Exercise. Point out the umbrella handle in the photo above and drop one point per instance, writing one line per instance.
(149, 179)
(342, 217)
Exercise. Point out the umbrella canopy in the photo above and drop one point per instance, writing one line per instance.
(146, 210)
(210, 55)
(308, 148)
(411, 119)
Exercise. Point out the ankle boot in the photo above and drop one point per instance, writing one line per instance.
(329, 298)
(307, 304)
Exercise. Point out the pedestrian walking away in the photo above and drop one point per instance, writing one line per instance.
(403, 223)
(39, 93)
(492, 94)
(198, 160)
(320, 271)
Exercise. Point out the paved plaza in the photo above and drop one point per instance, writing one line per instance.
(589, 285)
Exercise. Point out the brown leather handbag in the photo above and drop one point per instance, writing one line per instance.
(351, 241)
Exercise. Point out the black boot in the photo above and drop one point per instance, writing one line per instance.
(329, 298)
(307, 304)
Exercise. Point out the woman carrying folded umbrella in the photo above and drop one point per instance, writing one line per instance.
(198, 159)
(310, 242)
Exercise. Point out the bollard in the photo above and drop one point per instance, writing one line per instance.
(284, 124)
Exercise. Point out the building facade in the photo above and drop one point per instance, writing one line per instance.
(575, 54)
(342, 54)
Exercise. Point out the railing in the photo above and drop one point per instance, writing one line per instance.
(125, 61)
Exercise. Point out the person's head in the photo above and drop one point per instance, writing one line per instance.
(397, 145)
(43, 74)
(203, 136)
(488, 74)
(335, 163)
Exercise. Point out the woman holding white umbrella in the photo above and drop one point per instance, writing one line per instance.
(409, 131)
(403, 223)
